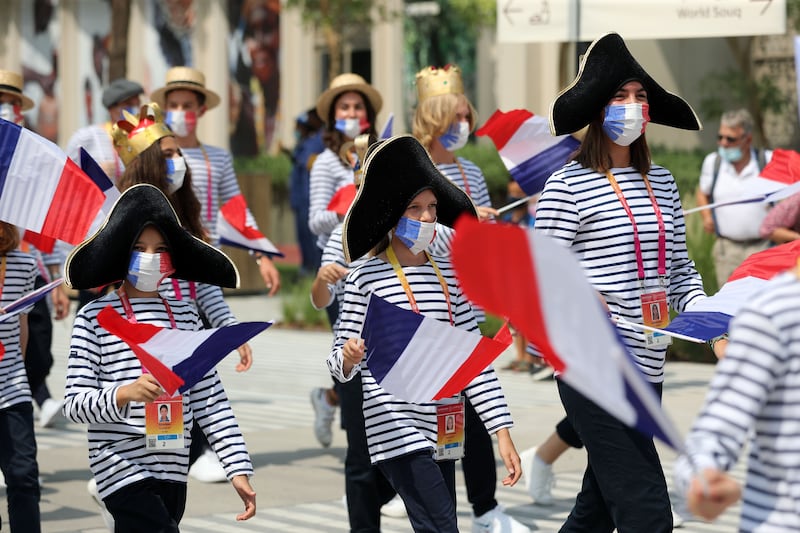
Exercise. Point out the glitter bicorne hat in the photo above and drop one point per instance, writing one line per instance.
(133, 135)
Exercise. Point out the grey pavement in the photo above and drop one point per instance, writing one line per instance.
(300, 484)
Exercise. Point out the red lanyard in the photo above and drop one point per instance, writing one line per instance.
(129, 314)
(176, 286)
(406, 287)
(662, 232)
(208, 190)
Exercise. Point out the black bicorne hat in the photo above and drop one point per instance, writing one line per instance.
(604, 68)
(395, 171)
(104, 257)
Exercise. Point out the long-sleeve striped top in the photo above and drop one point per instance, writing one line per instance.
(395, 427)
(755, 396)
(208, 300)
(100, 363)
(328, 175)
(214, 183)
(19, 277)
(580, 209)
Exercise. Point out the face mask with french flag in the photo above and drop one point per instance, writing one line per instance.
(351, 127)
(415, 234)
(625, 123)
(182, 123)
(146, 270)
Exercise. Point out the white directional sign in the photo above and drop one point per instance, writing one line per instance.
(526, 21)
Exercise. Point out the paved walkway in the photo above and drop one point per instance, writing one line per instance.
(300, 485)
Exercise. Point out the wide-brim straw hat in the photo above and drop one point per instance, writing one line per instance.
(185, 78)
(104, 257)
(12, 83)
(345, 83)
(605, 67)
(395, 171)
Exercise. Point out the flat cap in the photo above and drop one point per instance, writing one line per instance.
(119, 90)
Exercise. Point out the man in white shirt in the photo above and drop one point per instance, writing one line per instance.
(724, 177)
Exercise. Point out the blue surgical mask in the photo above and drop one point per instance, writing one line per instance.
(624, 123)
(730, 154)
(456, 137)
(415, 234)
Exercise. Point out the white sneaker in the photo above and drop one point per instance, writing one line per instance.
(50, 412)
(107, 518)
(497, 521)
(677, 519)
(538, 477)
(323, 416)
(394, 508)
(207, 468)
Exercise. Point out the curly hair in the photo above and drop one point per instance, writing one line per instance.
(150, 167)
(434, 116)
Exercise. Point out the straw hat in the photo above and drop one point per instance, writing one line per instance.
(345, 83)
(104, 257)
(606, 66)
(394, 172)
(185, 78)
(11, 83)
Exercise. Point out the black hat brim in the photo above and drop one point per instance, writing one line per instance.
(104, 257)
(395, 171)
(606, 66)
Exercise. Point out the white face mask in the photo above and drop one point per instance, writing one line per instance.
(456, 137)
(146, 271)
(351, 127)
(625, 123)
(176, 170)
(11, 113)
(415, 234)
(182, 123)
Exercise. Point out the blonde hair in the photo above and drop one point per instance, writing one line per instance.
(9, 238)
(434, 116)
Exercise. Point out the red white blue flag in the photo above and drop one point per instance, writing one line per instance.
(710, 317)
(43, 190)
(528, 149)
(234, 230)
(543, 291)
(20, 304)
(178, 359)
(420, 359)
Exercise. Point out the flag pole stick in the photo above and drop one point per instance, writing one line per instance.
(513, 204)
(621, 321)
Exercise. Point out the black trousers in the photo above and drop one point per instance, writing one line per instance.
(19, 467)
(149, 505)
(478, 464)
(623, 486)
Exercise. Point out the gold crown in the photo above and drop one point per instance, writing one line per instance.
(432, 81)
(132, 136)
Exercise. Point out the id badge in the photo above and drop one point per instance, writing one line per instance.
(655, 313)
(450, 430)
(164, 423)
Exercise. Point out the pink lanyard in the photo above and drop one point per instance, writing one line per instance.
(129, 314)
(208, 190)
(662, 232)
(176, 286)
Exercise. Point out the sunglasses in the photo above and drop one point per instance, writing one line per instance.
(728, 138)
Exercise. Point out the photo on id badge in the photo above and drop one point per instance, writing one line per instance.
(655, 314)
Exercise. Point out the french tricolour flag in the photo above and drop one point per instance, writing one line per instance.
(233, 229)
(528, 149)
(43, 190)
(178, 359)
(20, 304)
(709, 318)
(420, 359)
(104, 183)
(545, 295)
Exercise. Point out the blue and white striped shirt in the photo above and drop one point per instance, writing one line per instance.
(328, 175)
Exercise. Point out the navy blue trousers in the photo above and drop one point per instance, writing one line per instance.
(19, 467)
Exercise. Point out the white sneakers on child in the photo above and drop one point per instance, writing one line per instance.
(107, 518)
(497, 521)
(323, 416)
(207, 468)
(538, 477)
(394, 508)
(49, 412)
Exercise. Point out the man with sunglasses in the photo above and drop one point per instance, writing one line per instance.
(723, 177)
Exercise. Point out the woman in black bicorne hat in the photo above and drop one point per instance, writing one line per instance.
(622, 217)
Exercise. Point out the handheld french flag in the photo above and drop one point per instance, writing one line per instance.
(20, 304)
(387, 129)
(233, 229)
(710, 317)
(104, 183)
(528, 149)
(342, 199)
(178, 359)
(43, 190)
(419, 359)
(544, 292)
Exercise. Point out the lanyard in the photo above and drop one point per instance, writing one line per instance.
(464, 177)
(208, 189)
(662, 233)
(2, 274)
(406, 287)
(176, 286)
(129, 314)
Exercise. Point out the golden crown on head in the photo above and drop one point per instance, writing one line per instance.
(133, 135)
(433, 81)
